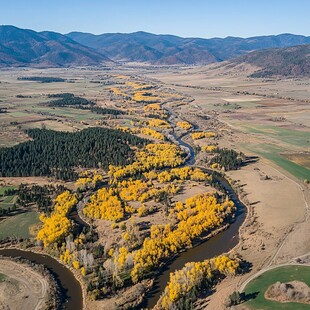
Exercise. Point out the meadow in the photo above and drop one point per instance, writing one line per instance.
(258, 286)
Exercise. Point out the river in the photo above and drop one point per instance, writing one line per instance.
(70, 287)
(217, 245)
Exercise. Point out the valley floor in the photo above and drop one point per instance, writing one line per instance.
(276, 230)
(265, 119)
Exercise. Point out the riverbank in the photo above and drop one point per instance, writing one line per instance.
(274, 231)
(72, 290)
(28, 286)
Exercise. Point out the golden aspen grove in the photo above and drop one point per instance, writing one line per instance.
(199, 135)
(143, 212)
(185, 284)
(155, 171)
(56, 226)
(184, 125)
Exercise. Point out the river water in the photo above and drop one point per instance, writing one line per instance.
(217, 245)
(71, 290)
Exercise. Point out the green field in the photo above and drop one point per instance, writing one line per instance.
(18, 225)
(260, 284)
(7, 201)
(289, 136)
(273, 153)
(4, 188)
(76, 114)
(19, 114)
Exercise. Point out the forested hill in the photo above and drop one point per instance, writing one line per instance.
(169, 49)
(292, 61)
(24, 47)
(54, 153)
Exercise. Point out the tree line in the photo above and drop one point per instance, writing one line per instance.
(72, 101)
(41, 79)
(40, 195)
(68, 99)
(53, 153)
(229, 159)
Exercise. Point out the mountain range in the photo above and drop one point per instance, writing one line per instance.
(168, 49)
(291, 61)
(23, 47)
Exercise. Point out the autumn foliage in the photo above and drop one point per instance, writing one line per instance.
(106, 205)
(184, 173)
(159, 123)
(201, 213)
(152, 156)
(184, 283)
(199, 135)
(56, 226)
(184, 125)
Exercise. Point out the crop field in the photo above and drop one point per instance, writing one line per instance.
(6, 201)
(4, 188)
(289, 136)
(277, 155)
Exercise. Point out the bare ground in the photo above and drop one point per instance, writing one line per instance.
(22, 288)
(277, 206)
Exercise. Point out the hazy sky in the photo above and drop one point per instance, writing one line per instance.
(187, 18)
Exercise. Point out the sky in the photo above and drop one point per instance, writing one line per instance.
(185, 18)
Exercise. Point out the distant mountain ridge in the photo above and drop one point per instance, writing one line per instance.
(169, 49)
(23, 47)
(291, 61)
(146, 47)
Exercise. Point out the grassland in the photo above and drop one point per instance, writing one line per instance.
(18, 225)
(283, 274)
(6, 201)
(21, 287)
(275, 154)
(289, 136)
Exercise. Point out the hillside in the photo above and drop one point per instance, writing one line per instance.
(146, 47)
(23, 47)
(168, 49)
(291, 61)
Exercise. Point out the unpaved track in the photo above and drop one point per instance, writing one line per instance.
(273, 259)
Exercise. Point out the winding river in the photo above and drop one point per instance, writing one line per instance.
(71, 291)
(217, 245)
(70, 288)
